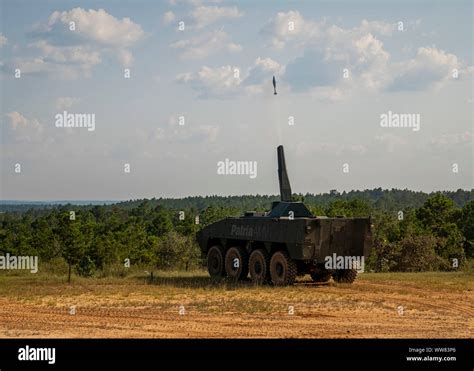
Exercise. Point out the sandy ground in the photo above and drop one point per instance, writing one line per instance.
(368, 308)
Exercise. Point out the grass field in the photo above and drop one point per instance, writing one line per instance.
(188, 304)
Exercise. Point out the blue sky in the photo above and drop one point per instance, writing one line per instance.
(192, 73)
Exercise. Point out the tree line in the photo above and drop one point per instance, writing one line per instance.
(437, 234)
(378, 198)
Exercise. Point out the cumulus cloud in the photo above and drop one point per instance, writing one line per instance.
(3, 40)
(21, 129)
(204, 45)
(125, 57)
(268, 64)
(227, 81)
(78, 54)
(94, 25)
(213, 82)
(41, 66)
(260, 74)
(360, 61)
(325, 51)
(168, 17)
(205, 15)
(72, 42)
(429, 66)
(290, 26)
(371, 63)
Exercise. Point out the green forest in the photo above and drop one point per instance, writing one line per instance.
(412, 231)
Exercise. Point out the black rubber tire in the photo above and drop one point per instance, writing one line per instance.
(259, 266)
(283, 269)
(215, 262)
(345, 275)
(240, 272)
(321, 276)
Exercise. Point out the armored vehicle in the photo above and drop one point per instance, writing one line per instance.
(285, 242)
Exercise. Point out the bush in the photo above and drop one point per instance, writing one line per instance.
(383, 256)
(85, 267)
(56, 266)
(175, 251)
(417, 254)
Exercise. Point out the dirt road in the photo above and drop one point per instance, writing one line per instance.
(371, 307)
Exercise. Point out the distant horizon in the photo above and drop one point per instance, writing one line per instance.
(99, 201)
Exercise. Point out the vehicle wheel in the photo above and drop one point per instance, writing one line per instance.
(237, 263)
(321, 276)
(259, 263)
(345, 275)
(283, 269)
(215, 262)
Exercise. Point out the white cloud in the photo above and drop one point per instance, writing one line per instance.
(260, 74)
(224, 76)
(72, 53)
(3, 40)
(78, 54)
(168, 17)
(326, 50)
(184, 77)
(41, 66)
(429, 66)
(290, 26)
(63, 103)
(206, 44)
(268, 64)
(21, 129)
(371, 63)
(125, 57)
(96, 25)
(17, 120)
(213, 82)
(206, 15)
(227, 81)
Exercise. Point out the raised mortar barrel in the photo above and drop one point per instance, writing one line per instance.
(285, 188)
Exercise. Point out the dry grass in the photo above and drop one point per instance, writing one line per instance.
(434, 305)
